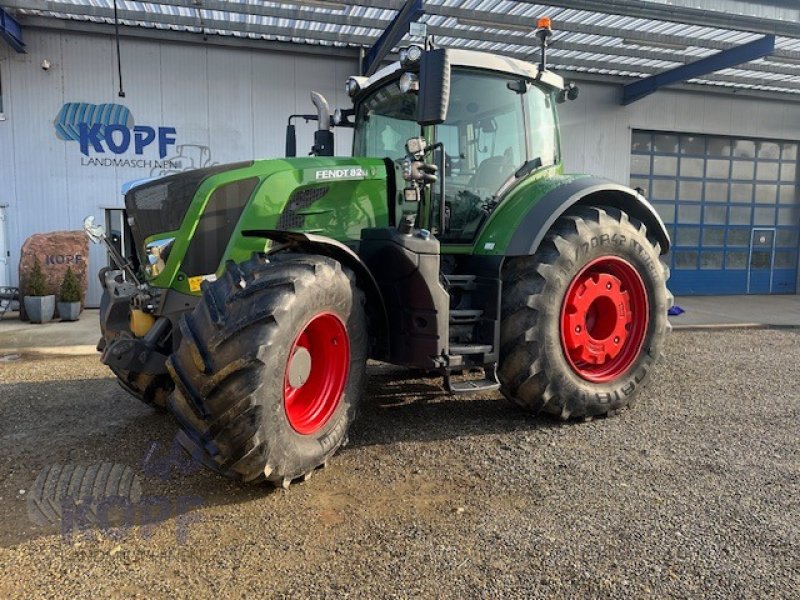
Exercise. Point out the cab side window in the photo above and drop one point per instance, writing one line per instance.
(543, 129)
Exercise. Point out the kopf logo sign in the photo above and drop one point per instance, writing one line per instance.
(102, 128)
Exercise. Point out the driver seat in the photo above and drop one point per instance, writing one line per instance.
(492, 173)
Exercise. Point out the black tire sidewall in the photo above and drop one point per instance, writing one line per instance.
(594, 240)
(291, 454)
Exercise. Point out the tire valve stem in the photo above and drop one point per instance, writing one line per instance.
(577, 329)
(616, 340)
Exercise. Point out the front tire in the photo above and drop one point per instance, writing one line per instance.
(585, 318)
(271, 367)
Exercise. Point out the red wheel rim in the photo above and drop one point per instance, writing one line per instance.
(604, 319)
(316, 372)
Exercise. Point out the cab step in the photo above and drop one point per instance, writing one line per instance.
(465, 316)
(463, 282)
(462, 349)
(488, 384)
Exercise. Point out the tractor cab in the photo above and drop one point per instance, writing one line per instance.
(496, 123)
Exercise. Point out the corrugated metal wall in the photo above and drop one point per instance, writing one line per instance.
(596, 129)
(235, 102)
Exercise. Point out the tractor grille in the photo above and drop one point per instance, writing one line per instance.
(159, 206)
(300, 200)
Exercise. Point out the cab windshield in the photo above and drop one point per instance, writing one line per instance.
(384, 121)
(496, 125)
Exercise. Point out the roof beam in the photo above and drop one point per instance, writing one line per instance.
(11, 31)
(602, 65)
(723, 60)
(390, 37)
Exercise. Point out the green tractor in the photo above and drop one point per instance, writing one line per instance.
(451, 241)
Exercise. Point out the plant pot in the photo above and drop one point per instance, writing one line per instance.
(69, 311)
(40, 309)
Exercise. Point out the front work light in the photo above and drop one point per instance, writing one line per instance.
(354, 85)
(409, 82)
(410, 55)
(157, 253)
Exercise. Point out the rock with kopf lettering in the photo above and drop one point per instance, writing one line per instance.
(56, 252)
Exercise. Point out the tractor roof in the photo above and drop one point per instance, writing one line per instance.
(482, 60)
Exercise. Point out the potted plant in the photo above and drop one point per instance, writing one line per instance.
(39, 305)
(69, 297)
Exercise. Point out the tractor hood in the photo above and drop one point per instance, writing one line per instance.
(187, 225)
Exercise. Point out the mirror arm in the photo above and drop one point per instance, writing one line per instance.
(120, 260)
(440, 147)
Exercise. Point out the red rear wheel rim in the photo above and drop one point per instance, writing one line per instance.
(604, 319)
(315, 373)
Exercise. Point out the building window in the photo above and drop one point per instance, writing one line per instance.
(719, 195)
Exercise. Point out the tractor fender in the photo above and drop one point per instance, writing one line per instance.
(594, 191)
(325, 246)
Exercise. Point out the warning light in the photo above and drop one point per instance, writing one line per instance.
(543, 23)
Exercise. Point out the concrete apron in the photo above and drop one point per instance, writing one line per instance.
(76, 338)
(702, 312)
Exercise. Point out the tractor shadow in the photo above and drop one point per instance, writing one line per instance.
(409, 405)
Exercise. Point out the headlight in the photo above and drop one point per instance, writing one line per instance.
(157, 253)
(410, 55)
(409, 83)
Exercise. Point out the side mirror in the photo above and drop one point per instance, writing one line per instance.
(291, 141)
(434, 87)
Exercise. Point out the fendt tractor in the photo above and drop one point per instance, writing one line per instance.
(451, 241)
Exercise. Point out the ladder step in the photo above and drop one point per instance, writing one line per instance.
(461, 316)
(466, 282)
(470, 349)
(473, 385)
(488, 384)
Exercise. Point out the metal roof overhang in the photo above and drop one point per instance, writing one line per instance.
(618, 40)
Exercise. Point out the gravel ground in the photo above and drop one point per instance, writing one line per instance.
(695, 492)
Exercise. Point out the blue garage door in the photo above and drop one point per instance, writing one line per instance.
(732, 208)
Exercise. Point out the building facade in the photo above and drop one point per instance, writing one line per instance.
(720, 168)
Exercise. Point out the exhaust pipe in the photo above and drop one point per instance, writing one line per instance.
(323, 136)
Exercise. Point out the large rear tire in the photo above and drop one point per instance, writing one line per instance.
(584, 319)
(271, 367)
